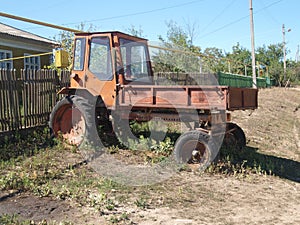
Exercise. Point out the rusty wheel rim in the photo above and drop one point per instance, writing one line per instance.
(195, 152)
(70, 124)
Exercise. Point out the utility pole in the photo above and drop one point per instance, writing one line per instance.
(297, 55)
(252, 46)
(284, 52)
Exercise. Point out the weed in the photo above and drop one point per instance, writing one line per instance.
(164, 147)
(106, 184)
(113, 149)
(96, 200)
(110, 204)
(249, 161)
(141, 203)
(7, 219)
(140, 144)
(119, 219)
(137, 128)
(27, 144)
(114, 219)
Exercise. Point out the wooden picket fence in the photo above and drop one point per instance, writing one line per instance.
(27, 100)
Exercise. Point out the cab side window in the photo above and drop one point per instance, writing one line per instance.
(134, 59)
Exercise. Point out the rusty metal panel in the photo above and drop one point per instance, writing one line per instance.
(176, 97)
(151, 96)
(242, 98)
(140, 95)
(184, 97)
(208, 98)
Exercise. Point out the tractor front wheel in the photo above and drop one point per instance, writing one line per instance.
(74, 119)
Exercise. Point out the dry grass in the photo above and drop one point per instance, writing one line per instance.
(52, 185)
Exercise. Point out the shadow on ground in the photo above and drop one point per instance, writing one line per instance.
(272, 165)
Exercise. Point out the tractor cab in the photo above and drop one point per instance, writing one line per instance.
(103, 61)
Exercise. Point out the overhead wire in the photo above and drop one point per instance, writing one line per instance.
(268, 12)
(141, 13)
(170, 7)
(196, 54)
(240, 19)
(150, 46)
(218, 15)
(135, 14)
(73, 30)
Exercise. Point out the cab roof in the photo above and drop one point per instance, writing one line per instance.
(114, 33)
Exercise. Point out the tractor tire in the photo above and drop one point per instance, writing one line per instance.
(73, 118)
(235, 137)
(194, 147)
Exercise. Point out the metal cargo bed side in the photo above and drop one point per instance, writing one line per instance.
(178, 97)
(187, 97)
(242, 98)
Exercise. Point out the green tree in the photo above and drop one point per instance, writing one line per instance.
(138, 32)
(66, 38)
(177, 53)
(293, 71)
(239, 60)
(272, 57)
(214, 60)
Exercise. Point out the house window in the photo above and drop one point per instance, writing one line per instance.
(32, 63)
(7, 64)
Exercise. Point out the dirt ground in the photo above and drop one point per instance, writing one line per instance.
(273, 134)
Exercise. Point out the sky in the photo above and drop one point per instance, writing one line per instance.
(217, 23)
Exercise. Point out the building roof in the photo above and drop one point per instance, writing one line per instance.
(12, 31)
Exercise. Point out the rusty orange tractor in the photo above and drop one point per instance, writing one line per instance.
(112, 84)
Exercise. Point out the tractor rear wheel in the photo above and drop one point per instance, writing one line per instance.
(194, 147)
(235, 137)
